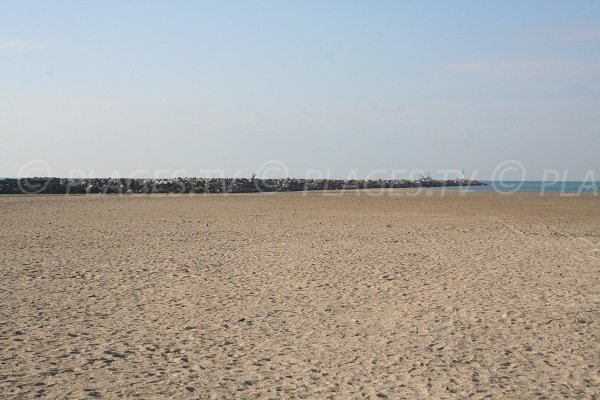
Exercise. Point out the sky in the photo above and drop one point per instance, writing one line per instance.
(339, 89)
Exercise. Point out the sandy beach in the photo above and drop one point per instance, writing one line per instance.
(298, 295)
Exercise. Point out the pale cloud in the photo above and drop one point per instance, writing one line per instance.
(583, 36)
(543, 69)
(14, 44)
(570, 34)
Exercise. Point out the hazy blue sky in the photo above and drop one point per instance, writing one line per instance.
(105, 86)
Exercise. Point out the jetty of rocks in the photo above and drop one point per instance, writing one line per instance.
(209, 185)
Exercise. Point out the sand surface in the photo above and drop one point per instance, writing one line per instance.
(294, 296)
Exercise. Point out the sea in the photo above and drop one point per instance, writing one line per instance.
(541, 187)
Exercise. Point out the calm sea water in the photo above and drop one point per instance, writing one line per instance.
(538, 187)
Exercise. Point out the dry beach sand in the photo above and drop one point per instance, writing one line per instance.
(300, 296)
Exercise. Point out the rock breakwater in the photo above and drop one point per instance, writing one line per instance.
(209, 185)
